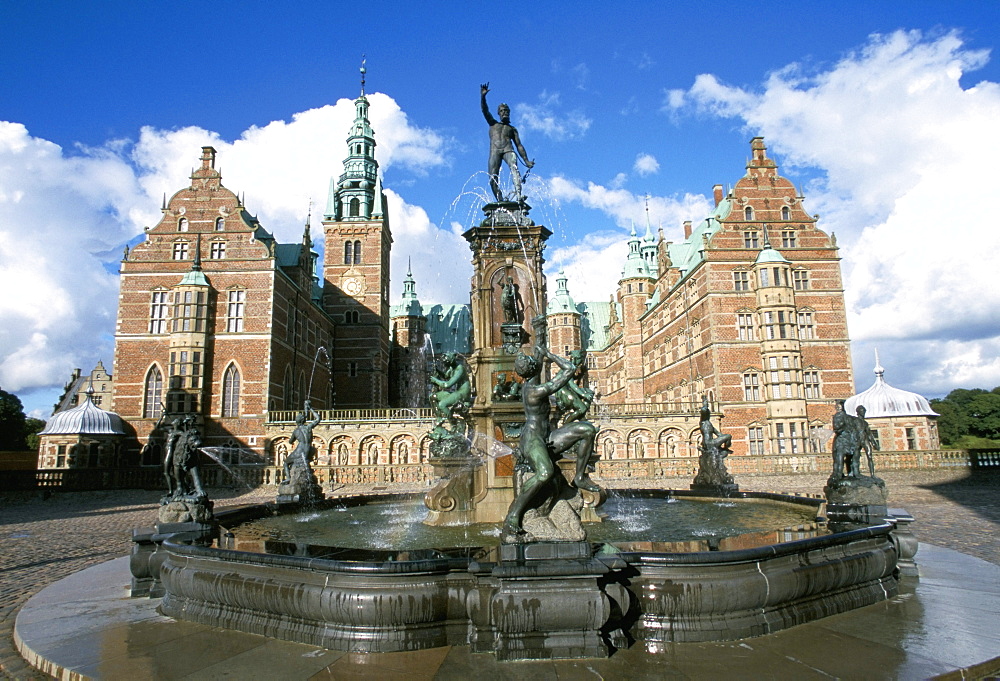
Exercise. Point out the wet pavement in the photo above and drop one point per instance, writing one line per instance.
(943, 622)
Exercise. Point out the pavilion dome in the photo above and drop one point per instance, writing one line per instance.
(883, 400)
(85, 419)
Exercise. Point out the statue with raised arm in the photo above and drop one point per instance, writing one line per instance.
(511, 303)
(301, 438)
(186, 500)
(541, 447)
(454, 398)
(503, 140)
(715, 447)
(300, 483)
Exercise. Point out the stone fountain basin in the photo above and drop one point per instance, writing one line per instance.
(538, 601)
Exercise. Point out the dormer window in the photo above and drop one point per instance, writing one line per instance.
(182, 225)
(786, 214)
(748, 213)
(220, 224)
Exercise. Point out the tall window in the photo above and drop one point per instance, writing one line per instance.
(815, 438)
(750, 240)
(911, 438)
(189, 311)
(765, 277)
(805, 323)
(234, 310)
(220, 224)
(180, 250)
(348, 253)
(154, 394)
(355, 208)
(748, 213)
(756, 437)
(352, 369)
(751, 387)
(788, 239)
(800, 280)
(357, 252)
(810, 381)
(744, 324)
(351, 317)
(182, 225)
(158, 312)
(217, 251)
(741, 281)
(185, 369)
(231, 392)
(786, 214)
(779, 431)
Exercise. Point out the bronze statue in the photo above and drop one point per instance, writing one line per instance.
(510, 301)
(867, 440)
(573, 400)
(454, 398)
(715, 447)
(541, 446)
(301, 437)
(503, 140)
(846, 444)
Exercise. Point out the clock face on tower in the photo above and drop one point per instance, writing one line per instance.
(354, 285)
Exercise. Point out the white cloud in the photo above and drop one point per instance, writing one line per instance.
(65, 216)
(544, 117)
(646, 164)
(593, 265)
(907, 157)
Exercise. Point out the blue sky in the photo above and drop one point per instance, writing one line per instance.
(883, 112)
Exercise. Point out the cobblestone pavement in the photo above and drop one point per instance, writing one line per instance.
(43, 539)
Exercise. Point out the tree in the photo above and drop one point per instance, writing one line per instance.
(12, 423)
(32, 427)
(968, 413)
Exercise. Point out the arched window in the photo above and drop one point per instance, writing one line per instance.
(785, 213)
(355, 210)
(182, 225)
(154, 394)
(220, 224)
(348, 253)
(748, 213)
(231, 391)
(357, 252)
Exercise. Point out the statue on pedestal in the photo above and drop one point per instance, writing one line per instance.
(300, 483)
(572, 401)
(847, 488)
(541, 492)
(503, 140)
(186, 500)
(715, 447)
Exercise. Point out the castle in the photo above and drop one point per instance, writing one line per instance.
(218, 319)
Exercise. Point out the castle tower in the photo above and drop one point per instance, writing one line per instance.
(408, 360)
(780, 350)
(356, 270)
(634, 290)
(564, 320)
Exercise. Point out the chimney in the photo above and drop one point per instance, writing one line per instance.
(207, 158)
(687, 229)
(717, 190)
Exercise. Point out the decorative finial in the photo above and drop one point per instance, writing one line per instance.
(409, 270)
(767, 239)
(647, 211)
(196, 265)
(363, 72)
(879, 369)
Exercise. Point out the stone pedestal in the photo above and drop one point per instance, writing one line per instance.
(905, 541)
(300, 488)
(451, 501)
(548, 604)
(856, 500)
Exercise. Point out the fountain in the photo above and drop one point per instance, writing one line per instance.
(535, 585)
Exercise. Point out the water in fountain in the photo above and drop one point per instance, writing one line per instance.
(243, 456)
(315, 361)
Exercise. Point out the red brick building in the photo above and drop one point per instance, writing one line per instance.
(218, 319)
(748, 309)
